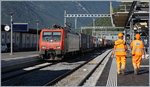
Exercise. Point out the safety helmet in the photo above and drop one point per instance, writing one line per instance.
(120, 35)
(137, 36)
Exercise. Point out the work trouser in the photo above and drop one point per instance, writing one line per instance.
(136, 61)
(121, 62)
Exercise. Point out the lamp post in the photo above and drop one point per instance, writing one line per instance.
(37, 24)
(11, 40)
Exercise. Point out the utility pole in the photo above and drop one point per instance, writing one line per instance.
(37, 24)
(11, 40)
(65, 19)
(75, 22)
(93, 27)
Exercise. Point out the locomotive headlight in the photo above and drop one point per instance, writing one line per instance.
(58, 47)
(43, 47)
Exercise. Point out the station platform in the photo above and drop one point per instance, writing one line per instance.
(17, 55)
(18, 60)
(109, 75)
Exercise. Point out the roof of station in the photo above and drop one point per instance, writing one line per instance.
(134, 0)
(119, 18)
(137, 11)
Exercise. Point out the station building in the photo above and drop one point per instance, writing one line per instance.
(21, 40)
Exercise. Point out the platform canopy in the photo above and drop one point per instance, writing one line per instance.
(138, 12)
(134, 0)
(120, 18)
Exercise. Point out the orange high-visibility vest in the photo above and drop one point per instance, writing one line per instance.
(120, 47)
(137, 47)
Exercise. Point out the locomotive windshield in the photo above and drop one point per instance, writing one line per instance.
(51, 36)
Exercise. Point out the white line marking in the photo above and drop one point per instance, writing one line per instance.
(112, 77)
(144, 66)
(36, 66)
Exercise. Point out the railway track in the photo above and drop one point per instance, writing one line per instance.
(46, 70)
(79, 75)
(21, 71)
(10, 75)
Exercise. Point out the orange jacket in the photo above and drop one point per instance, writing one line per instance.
(137, 47)
(120, 47)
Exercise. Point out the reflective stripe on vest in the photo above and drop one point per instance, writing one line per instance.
(138, 50)
(120, 50)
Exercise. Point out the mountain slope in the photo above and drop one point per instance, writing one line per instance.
(50, 12)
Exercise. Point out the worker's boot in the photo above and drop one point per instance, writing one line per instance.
(118, 73)
(136, 71)
(123, 72)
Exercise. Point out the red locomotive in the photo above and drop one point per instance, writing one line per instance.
(55, 43)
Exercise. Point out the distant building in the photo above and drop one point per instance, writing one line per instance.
(21, 40)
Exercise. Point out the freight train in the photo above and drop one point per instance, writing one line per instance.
(55, 43)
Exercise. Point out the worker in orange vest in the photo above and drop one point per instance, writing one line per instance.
(120, 53)
(137, 47)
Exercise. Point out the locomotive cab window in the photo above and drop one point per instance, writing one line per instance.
(56, 36)
(51, 36)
